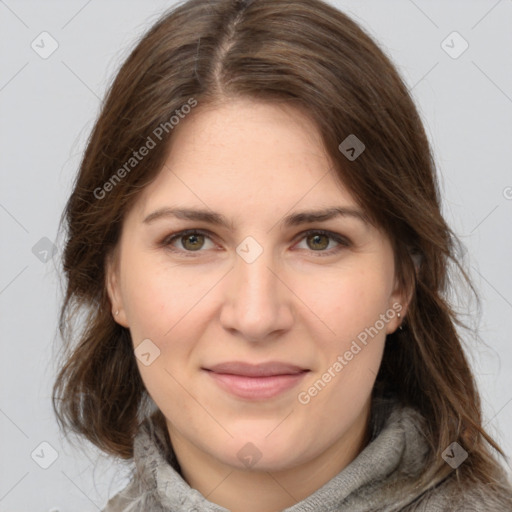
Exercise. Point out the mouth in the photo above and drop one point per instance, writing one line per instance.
(256, 382)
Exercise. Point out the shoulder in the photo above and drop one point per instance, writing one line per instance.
(454, 496)
(130, 499)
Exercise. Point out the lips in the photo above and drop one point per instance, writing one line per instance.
(256, 382)
(256, 370)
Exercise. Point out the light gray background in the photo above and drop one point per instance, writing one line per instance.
(48, 107)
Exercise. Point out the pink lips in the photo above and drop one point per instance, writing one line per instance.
(255, 382)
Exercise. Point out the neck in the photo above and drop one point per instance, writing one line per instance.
(266, 491)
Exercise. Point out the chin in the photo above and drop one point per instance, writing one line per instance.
(259, 451)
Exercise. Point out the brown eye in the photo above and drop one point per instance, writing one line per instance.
(192, 242)
(323, 243)
(318, 241)
(188, 241)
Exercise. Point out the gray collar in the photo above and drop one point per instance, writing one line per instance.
(374, 480)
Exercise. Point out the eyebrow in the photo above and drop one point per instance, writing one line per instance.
(294, 219)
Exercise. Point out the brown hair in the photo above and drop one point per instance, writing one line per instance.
(310, 55)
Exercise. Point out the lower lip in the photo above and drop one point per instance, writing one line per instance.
(256, 388)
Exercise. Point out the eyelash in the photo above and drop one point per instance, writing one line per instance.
(342, 241)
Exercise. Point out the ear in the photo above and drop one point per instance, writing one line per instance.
(398, 305)
(403, 292)
(114, 290)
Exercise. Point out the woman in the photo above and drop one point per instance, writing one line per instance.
(256, 238)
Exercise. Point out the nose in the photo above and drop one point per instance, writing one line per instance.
(257, 306)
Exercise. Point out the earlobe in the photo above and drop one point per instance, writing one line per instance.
(398, 306)
(399, 316)
(396, 314)
(114, 292)
(405, 296)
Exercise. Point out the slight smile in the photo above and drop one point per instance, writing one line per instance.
(256, 382)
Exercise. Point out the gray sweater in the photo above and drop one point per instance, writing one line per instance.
(373, 481)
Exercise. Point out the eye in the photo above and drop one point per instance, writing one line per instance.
(190, 240)
(323, 242)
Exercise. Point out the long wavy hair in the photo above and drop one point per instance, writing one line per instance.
(312, 56)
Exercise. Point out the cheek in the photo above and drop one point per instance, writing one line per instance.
(158, 296)
(348, 360)
(147, 305)
(350, 337)
(347, 301)
(161, 304)
(171, 307)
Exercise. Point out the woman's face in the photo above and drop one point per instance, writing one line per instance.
(258, 332)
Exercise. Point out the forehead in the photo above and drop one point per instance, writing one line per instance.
(259, 156)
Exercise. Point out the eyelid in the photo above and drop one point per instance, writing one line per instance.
(168, 239)
(341, 240)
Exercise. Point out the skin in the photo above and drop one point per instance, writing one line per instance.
(303, 301)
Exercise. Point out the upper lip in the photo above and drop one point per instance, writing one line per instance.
(256, 370)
